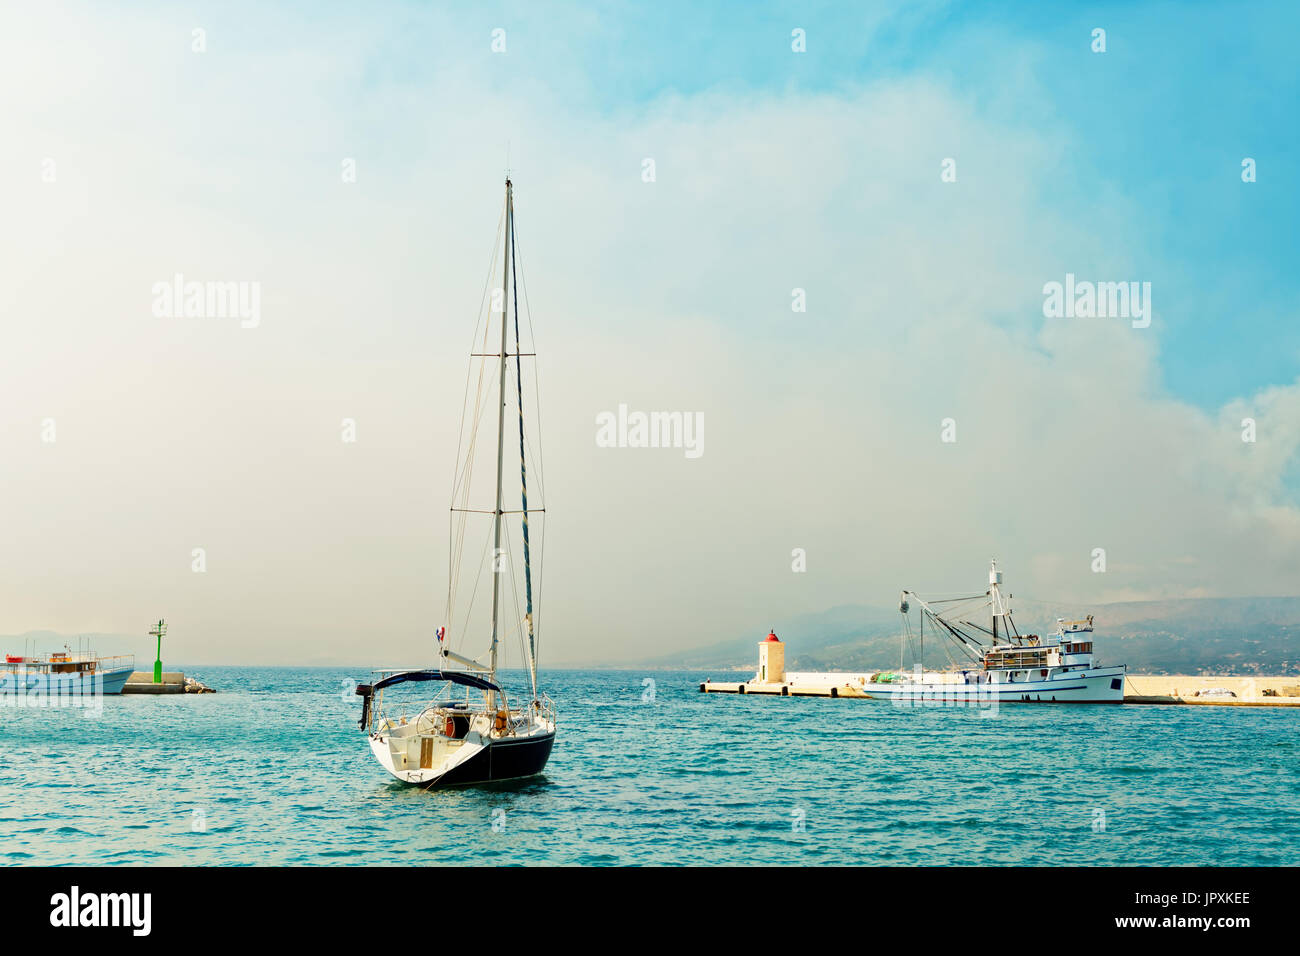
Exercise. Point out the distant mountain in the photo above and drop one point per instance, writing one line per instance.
(1255, 635)
(847, 623)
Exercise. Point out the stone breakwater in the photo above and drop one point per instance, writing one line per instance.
(173, 682)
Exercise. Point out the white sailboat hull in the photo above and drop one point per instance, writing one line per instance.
(433, 760)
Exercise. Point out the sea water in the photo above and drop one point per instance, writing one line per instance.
(647, 770)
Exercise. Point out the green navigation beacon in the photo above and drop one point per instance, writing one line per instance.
(158, 632)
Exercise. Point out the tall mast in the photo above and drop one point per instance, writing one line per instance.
(501, 439)
(997, 604)
(523, 471)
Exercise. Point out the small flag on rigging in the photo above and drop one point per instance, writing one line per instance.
(442, 632)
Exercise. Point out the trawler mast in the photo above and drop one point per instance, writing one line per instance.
(997, 604)
(953, 622)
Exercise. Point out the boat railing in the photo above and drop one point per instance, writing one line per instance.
(544, 707)
(1018, 658)
(115, 661)
(75, 662)
(399, 711)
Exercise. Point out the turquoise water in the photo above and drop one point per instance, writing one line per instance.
(281, 775)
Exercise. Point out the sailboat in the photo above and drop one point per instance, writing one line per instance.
(473, 731)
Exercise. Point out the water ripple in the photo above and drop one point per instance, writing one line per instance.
(273, 771)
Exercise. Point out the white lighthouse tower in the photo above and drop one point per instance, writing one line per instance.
(771, 659)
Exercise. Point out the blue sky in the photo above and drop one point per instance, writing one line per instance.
(1160, 122)
(1163, 120)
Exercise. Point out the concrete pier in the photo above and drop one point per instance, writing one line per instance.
(839, 685)
(141, 682)
(1138, 689)
(1190, 689)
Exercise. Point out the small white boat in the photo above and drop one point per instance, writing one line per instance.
(1009, 668)
(64, 674)
(1219, 693)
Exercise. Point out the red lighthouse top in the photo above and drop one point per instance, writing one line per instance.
(771, 636)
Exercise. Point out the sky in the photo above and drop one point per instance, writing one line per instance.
(131, 439)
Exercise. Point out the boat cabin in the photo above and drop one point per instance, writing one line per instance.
(60, 663)
(1018, 657)
(1035, 660)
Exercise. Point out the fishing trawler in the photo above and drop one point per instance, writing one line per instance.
(1000, 664)
(472, 731)
(64, 673)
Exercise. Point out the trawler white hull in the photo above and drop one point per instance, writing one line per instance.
(1097, 685)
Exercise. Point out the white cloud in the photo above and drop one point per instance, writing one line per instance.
(822, 428)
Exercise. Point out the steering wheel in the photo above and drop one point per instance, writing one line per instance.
(427, 722)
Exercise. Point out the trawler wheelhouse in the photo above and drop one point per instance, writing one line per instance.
(1077, 652)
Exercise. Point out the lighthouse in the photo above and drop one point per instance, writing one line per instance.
(771, 659)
